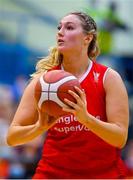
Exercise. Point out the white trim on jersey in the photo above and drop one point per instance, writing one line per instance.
(86, 72)
(104, 76)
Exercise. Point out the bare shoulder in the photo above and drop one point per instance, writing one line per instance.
(112, 75)
(27, 99)
(32, 82)
(34, 79)
(28, 95)
(116, 98)
(113, 80)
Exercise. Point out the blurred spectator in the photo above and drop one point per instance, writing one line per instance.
(129, 159)
(4, 168)
(5, 113)
(6, 102)
(108, 21)
(15, 162)
(16, 170)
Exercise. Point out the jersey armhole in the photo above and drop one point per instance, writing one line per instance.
(105, 74)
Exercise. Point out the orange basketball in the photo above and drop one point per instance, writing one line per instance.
(52, 88)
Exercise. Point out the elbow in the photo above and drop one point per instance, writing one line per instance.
(122, 143)
(10, 141)
(121, 146)
(122, 138)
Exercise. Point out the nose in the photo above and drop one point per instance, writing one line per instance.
(60, 32)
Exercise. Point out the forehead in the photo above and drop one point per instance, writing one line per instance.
(70, 19)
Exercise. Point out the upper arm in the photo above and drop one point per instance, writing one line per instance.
(26, 113)
(116, 100)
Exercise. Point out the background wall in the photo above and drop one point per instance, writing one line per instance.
(34, 22)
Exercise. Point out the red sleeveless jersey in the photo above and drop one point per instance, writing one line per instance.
(71, 150)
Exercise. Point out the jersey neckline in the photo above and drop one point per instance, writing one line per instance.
(85, 73)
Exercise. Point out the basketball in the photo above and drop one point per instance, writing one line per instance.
(51, 89)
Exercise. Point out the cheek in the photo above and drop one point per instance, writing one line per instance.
(75, 38)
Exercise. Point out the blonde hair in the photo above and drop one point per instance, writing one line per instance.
(53, 59)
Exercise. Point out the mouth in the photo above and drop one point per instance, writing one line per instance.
(60, 41)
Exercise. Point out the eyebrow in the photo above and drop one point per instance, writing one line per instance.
(69, 22)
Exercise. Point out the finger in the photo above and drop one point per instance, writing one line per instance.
(76, 96)
(71, 104)
(70, 110)
(81, 93)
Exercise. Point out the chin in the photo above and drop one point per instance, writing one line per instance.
(63, 50)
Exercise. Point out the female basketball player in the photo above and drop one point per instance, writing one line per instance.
(89, 144)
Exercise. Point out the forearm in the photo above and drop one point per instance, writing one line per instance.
(109, 132)
(18, 135)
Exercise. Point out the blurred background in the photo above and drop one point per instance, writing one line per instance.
(27, 30)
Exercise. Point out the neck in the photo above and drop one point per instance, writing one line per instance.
(77, 65)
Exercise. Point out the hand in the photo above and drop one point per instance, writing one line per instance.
(79, 109)
(45, 121)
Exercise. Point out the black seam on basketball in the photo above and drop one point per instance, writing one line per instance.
(48, 91)
(48, 95)
(53, 92)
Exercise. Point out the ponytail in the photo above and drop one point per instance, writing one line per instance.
(53, 59)
(93, 48)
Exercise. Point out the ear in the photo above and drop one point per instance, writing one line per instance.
(88, 38)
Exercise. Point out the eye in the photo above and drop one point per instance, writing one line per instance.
(69, 27)
(58, 27)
